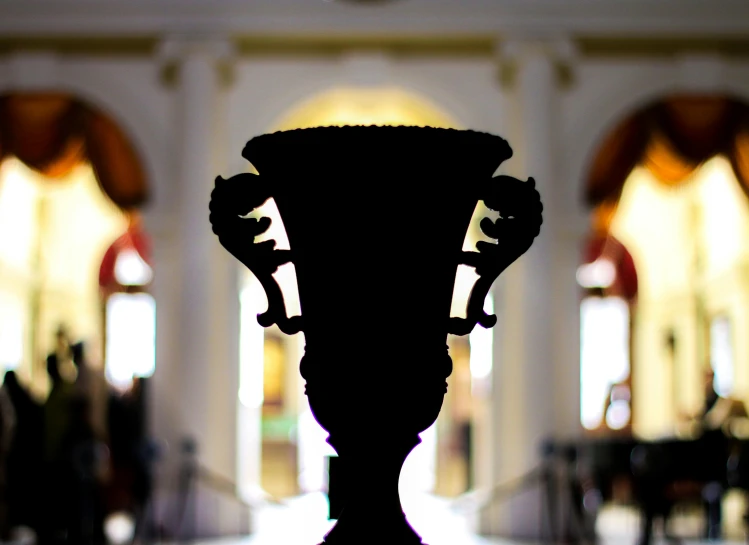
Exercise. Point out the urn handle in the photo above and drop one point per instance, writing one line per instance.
(519, 223)
(232, 201)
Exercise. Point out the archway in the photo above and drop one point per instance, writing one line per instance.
(65, 165)
(441, 462)
(71, 184)
(674, 175)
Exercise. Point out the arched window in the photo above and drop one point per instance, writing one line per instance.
(609, 281)
(69, 180)
(129, 310)
(673, 179)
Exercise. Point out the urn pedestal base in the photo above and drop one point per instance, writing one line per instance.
(394, 532)
(373, 512)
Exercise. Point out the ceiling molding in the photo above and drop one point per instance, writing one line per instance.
(317, 18)
(664, 47)
(456, 46)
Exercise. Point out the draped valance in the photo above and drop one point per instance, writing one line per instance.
(54, 132)
(671, 138)
(607, 247)
(133, 239)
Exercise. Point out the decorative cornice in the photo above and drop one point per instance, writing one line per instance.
(294, 18)
(178, 46)
(173, 50)
(476, 46)
(512, 52)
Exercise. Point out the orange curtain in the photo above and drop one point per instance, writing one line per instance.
(666, 164)
(602, 216)
(619, 153)
(52, 133)
(672, 138)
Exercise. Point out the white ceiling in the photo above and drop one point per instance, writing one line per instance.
(398, 17)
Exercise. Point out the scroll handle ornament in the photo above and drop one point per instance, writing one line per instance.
(520, 209)
(232, 201)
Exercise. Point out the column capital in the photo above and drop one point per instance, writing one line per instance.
(513, 52)
(178, 46)
(555, 48)
(175, 49)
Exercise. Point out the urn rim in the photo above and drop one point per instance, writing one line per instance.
(264, 151)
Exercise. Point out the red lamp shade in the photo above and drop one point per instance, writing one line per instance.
(134, 239)
(607, 247)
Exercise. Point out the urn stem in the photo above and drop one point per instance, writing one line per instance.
(372, 502)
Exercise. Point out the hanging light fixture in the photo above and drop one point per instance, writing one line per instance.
(130, 269)
(601, 273)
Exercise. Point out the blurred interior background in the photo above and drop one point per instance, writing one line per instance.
(141, 399)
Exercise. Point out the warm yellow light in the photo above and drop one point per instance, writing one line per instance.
(662, 227)
(12, 313)
(601, 273)
(651, 221)
(53, 235)
(251, 353)
(131, 270)
(19, 201)
(482, 346)
(131, 337)
(691, 247)
(724, 215)
(355, 106)
(604, 353)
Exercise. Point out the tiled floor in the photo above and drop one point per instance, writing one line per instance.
(303, 521)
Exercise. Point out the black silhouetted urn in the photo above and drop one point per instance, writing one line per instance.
(376, 218)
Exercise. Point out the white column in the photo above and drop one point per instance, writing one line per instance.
(163, 398)
(206, 378)
(532, 400)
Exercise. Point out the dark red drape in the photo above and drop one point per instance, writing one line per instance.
(608, 247)
(53, 132)
(671, 138)
(134, 238)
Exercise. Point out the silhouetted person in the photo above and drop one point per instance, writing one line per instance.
(60, 361)
(57, 423)
(129, 451)
(24, 461)
(712, 420)
(92, 384)
(711, 396)
(715, 414)
(84, 459)
(7, 425)
(716, 410)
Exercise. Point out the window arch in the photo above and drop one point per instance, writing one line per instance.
(125, 275)
(69, 180)
(658, 178)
